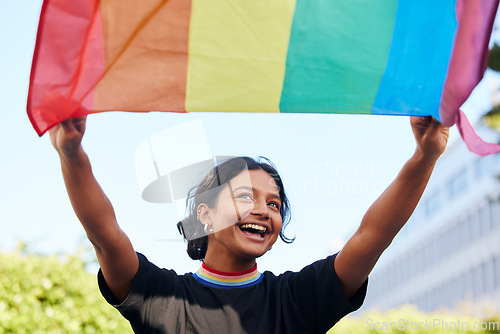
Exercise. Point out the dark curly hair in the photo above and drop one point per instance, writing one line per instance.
(208, 191)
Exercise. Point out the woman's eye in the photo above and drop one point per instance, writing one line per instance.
(245, 196)
(275, 205)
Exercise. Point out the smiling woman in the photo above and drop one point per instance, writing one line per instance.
(235, 216)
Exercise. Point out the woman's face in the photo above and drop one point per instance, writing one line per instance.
(246, 219)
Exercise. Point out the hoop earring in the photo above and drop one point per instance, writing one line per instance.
(208, 229)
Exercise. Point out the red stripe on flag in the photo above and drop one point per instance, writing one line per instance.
(67, 62)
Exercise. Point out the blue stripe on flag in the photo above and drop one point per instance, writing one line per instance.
(418, 59)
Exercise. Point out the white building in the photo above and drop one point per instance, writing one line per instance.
(450, 249)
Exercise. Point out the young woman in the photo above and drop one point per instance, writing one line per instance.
(235, 216)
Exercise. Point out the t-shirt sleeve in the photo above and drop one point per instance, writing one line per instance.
(138, 304)
(317, 294)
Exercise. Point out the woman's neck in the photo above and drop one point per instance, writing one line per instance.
(228, 264)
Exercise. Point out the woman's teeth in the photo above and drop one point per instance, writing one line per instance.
(254, 227)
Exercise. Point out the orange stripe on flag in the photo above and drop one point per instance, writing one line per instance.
(145, 55)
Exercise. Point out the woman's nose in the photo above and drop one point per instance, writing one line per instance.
(260, 208)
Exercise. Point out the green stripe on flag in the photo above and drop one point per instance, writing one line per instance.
(337, 55)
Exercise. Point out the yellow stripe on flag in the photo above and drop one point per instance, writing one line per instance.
(237, 54)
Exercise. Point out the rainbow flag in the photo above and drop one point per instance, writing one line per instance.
(386, 57)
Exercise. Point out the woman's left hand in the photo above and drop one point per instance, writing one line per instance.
(430, 135)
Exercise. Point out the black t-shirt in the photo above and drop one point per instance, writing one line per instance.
(309, 301)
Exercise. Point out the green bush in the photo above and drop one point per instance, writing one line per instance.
(53, 294)
(408, 319)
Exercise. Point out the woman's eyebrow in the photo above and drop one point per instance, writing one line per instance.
(243, 187)
(276, 196)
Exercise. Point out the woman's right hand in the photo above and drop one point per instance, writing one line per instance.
(66, 137)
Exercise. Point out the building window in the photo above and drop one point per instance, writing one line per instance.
(483, 166)
(413, 264)
(478, 171)
(428, 255)
(436, 248)
(458, 184)
(488, 268)
(477, 282)
(455, 291)
(463, 229)
(464, 287)
(447, 241)
(455, 236)
(496, 272)
(484, 219)
(473, 225)
(433, 203)
(469, 280)
(495, 214)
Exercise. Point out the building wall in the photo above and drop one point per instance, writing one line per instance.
(450, 249)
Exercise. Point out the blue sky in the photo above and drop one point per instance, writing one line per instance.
(333, 166)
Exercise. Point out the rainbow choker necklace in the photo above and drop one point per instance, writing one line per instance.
(222, 280)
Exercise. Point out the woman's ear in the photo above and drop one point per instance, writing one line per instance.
(202, 213)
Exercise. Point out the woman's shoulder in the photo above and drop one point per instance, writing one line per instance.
(316, 268)
(149, 268)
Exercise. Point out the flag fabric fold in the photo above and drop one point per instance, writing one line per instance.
(396, 57)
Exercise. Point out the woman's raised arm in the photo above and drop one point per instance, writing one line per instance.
(393, 208)
(116, 256)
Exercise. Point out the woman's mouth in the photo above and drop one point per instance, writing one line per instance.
(253, 229)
